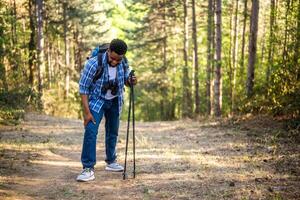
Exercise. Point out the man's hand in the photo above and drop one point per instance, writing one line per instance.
(88, 117)
(131, 80)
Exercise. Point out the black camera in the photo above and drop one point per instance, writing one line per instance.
(110, 85)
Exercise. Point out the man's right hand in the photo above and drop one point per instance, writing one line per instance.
(88, 117)
(86, 110)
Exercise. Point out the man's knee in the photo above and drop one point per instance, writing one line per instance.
(91, 129)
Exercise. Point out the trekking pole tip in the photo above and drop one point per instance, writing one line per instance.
(124, 176)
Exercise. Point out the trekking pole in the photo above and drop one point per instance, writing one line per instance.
(128, 125)
(133, 125)
(127, 136)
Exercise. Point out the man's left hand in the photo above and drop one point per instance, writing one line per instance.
(132, 80)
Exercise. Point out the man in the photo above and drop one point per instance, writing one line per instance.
(103, 97)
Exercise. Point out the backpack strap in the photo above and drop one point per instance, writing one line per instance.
(100, 70)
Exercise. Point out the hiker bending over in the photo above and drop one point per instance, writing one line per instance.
(101, 87)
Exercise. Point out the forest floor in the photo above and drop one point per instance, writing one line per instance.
(252, 158)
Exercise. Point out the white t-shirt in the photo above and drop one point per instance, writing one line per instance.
(112, 71)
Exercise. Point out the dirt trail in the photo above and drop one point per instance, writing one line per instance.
(40, 159)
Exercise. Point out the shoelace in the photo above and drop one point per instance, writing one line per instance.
(86, 170)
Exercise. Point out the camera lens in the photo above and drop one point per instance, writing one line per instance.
(114, 89)
(111, 85)
(105, 87)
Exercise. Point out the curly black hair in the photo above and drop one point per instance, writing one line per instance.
(118, 46)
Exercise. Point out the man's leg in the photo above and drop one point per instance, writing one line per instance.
(88, 156)
(111, 131)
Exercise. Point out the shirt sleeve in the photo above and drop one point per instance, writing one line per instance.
(128, 69)
(87, 76)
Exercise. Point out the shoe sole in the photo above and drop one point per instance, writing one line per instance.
(86, 180)
(113, 170)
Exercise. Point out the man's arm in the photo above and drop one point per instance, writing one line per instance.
(84, 83)
(87, 76)
(128, 81)
(86, 110)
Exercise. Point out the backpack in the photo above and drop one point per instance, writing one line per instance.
(99, 52)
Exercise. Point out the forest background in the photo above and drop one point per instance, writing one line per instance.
(192, 58)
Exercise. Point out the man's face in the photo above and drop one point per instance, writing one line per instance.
(113, 58)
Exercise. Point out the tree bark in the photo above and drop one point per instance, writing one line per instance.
(164, 92)
(186, 104)
(285, 51)
(3, 75)
(244, 37)
(263, 45)
(31, 44)
(230, 52)
(40, 46)
(196, 64)
(252, 47)
(14, 40)
(234, 57)
(217, 85)
(212, 86)
(67, 51)
(271, 40)
(209, 54)
(297, 42)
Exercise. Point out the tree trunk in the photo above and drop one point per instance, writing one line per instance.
(165, 104)
(14, 40)
(285, 51)
(230, 57)
(67, 51)
(271, 40)
(263, 45)
(212, 86)
(3, 78)
(196, 75)
(13, 24)
(244, 37)
(173, 90)
(252, 47)
(186, 104)
(163, 90)
(24, 50)
(209, 54)
(40, 45)
(78, 47)
(31, 44)
(217, 85)
(3, 72)
(297, 42)
(75, 47)
(49, 60)
(47, 79)
(234, 57)
(58, 64)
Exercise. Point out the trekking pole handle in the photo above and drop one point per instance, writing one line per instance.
(131, 73)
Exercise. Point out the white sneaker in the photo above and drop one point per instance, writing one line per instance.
(114, 167)
(87, 174)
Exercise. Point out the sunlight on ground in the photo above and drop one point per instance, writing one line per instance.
(172, 161)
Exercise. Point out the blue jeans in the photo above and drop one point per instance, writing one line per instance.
(110, 110)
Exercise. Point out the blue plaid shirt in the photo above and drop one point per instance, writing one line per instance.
(93, 90)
